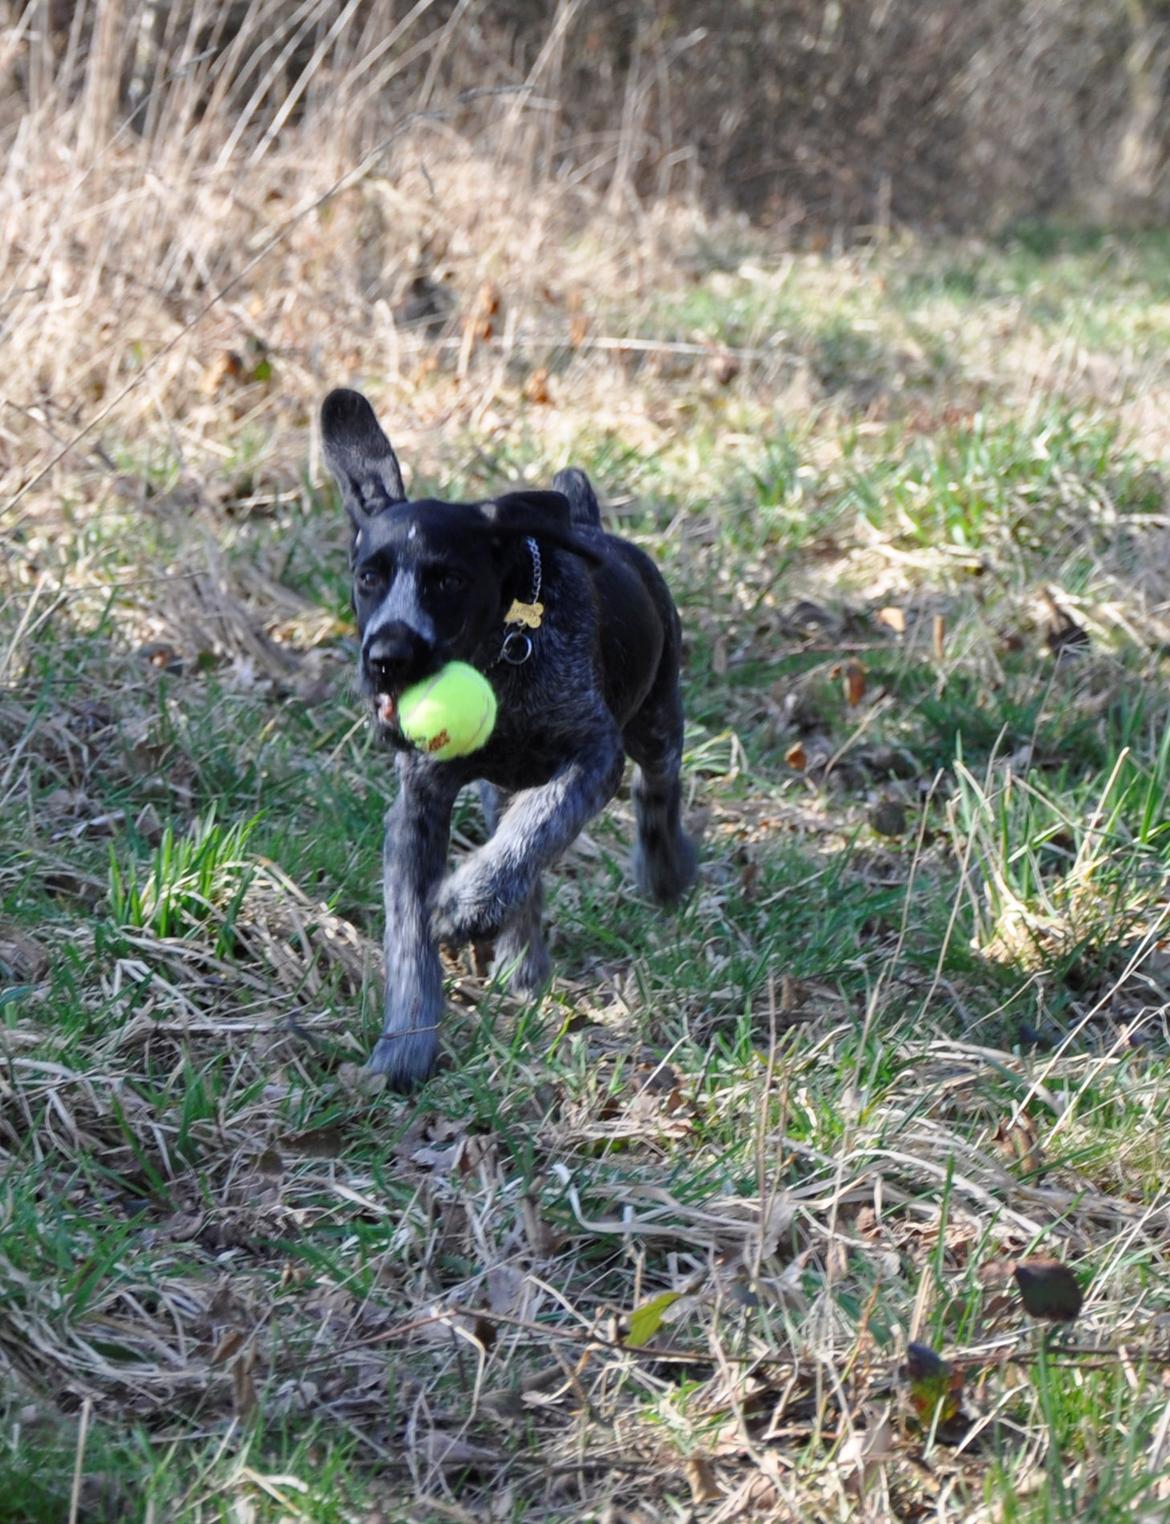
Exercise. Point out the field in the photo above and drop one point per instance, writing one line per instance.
(655, 1246)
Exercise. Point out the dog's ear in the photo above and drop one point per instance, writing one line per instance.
(359, 455)
(542, 516)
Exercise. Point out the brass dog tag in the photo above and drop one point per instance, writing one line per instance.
(527, 614)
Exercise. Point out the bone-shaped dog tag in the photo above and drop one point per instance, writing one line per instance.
(527, 614)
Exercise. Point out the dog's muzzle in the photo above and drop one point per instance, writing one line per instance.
(393, 657)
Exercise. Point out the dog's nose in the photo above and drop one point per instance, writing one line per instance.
(391, 655)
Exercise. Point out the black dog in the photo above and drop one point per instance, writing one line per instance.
(577, 634)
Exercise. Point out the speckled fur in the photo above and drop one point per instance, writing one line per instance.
(601, 684)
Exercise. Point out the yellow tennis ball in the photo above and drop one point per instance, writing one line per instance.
(449, 714)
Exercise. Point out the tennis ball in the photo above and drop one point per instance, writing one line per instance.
(449, 714)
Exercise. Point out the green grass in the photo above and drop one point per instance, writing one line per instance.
(908, 1030)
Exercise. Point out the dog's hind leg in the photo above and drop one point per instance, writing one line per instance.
(665, 861)
(520, 951)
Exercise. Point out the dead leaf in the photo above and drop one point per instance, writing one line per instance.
(797, 757)
(480, 1151)
(508, 1290)
(853, 682)
(441, 1449)
(888, 818)
(22, 958)
(755, 1499)
(536, 388)
(148, 825)
(1018, 1141)
(865, 1451)
(725, 367)
(1063, 635)
(700, 1475)
(893, 618)
(939, 637)
(543, 1240)
(1049, 1290)
(229, 1344)
(442, 1160)
(318, 1142)
(227, 366)
(269, 1162)
(243, 1386)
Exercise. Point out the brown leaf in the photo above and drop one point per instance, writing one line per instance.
(797, 757)
(1049, 1290)
(853, 681)
(243, 1386)
(888, 818)
(725, 367)
(700, 1474)
(543, 1239)
(22, 958)
(865, 1452)
(441, 1449)
(227, 366)
(148, 825)
(269, 1162)
(484, 1330)
(487, 301)
(893, 618)
(228, 1345)
(1063, 635)
(939, 637)
(1018, 1141)
(442, 1160)
(318, 1142)
(479, 1151)
(536, 388)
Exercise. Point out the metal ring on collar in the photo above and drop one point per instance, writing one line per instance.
(517, 648)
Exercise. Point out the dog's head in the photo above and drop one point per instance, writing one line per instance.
(432, 581)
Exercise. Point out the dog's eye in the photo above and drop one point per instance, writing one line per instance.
(449, 582)
(369, 580)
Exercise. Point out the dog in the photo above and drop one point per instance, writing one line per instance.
(577, 633)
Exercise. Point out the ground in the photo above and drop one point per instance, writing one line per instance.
(655, 1246)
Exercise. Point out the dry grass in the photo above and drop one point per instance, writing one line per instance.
(655, 1247)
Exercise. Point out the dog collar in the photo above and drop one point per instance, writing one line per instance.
(522, 617)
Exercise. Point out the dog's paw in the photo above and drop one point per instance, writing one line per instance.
(525, 965)
(466, 910)
(407, 1060)
(665, 874)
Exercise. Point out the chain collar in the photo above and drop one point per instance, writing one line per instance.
(523, 617)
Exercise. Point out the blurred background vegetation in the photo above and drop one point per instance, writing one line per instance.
(817, 114)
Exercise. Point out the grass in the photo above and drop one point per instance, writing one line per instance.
(656, 1244)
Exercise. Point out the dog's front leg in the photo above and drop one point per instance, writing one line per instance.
(418, 827)
(496, 881)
